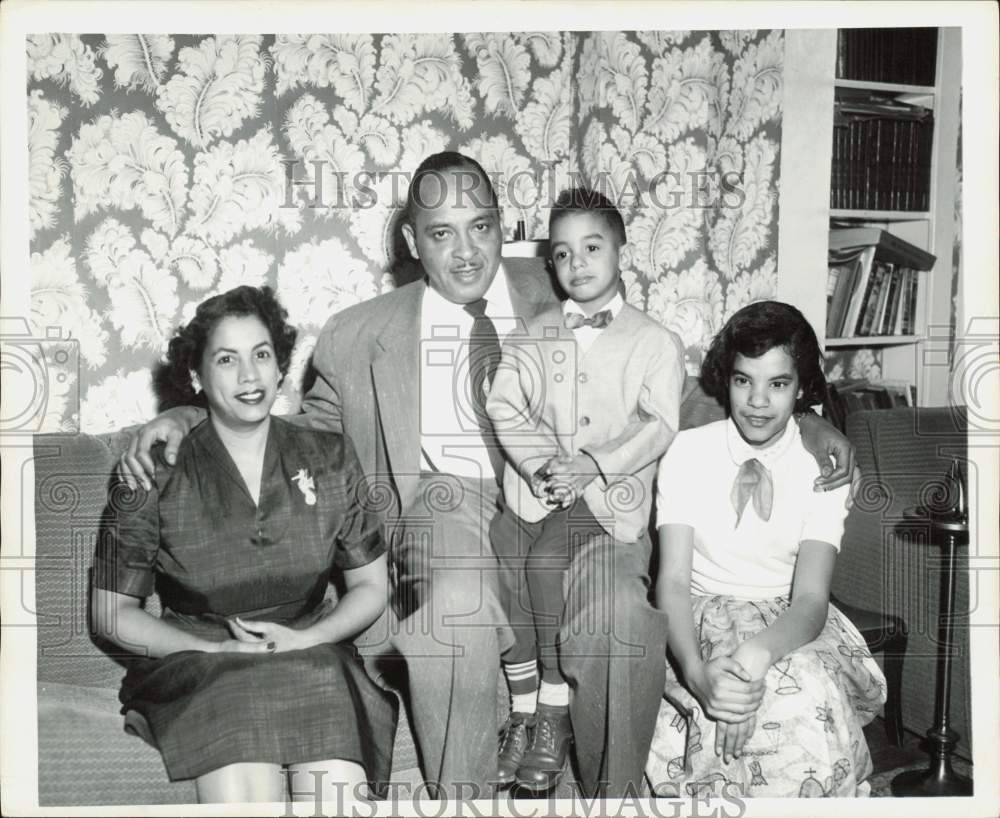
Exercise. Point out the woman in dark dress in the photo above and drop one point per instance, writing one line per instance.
(249, 670)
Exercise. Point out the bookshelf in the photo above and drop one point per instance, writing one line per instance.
(926, 220)
(926, 91)
(878, 216)
(873, 341)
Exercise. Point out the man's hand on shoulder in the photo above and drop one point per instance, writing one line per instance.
(833, 452)
(135, 466)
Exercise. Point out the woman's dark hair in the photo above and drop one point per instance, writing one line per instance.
(184, 353)
(754, 330)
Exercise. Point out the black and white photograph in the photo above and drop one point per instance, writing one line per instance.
(366, 385)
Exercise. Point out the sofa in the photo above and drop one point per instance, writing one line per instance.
(87, 758)
(85, 755)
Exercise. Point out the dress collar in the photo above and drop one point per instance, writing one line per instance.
(741, 451)
(209, 438)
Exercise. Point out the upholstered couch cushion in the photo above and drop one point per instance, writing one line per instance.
(85, 757)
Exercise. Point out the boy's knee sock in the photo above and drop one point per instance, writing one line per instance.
(522, 678)
(554, 695)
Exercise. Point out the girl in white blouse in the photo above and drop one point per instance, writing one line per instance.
(768, 685)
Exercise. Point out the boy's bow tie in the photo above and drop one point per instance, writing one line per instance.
(599, 320)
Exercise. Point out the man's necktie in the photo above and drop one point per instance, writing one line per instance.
(484, 358)
(753, 481)
(599, 320)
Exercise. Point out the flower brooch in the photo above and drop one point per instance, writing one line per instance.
(306, 485)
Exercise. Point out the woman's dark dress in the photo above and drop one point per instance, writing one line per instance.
(212, 554)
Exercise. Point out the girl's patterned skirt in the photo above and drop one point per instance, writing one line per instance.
(808, 740)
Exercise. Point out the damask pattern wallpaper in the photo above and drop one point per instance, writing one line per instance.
(165, 169)
(706, 108)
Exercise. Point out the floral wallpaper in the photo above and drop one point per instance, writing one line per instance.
(705, 107)
(165, 169)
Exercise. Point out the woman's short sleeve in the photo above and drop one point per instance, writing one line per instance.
(128, 541)
(825, 515)
(673, 484)
(359, 540)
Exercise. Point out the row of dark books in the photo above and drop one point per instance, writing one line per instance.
(881, 157)
(873, 283)
(899, 55)
(855, 395)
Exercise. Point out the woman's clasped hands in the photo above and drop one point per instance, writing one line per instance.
(262, 637)
(730, 696)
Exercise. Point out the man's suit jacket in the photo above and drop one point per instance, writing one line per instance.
(367, 365)
(619, 402)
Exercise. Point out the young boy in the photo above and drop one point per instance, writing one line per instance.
(584, 403)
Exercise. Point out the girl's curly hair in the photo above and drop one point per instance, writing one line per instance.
(754, 330)
(172, 379)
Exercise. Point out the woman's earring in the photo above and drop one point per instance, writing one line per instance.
(195, 383)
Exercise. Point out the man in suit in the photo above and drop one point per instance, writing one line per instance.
(390, 373)
(400, 375)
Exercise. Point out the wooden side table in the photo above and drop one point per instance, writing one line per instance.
(949, 531)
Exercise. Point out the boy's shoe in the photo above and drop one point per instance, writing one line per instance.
(543, 762)
(514, 738)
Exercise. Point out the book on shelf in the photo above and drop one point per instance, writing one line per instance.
(845, 270)
(909, 324)
(873, 283)
(846, 307)
(891, 313)
(900, 392)
(881, 312)
(888, 247)
(903, 283)
(872, 300)
(906, 56)
(875, 397)
(881, 152)
(847, 396)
